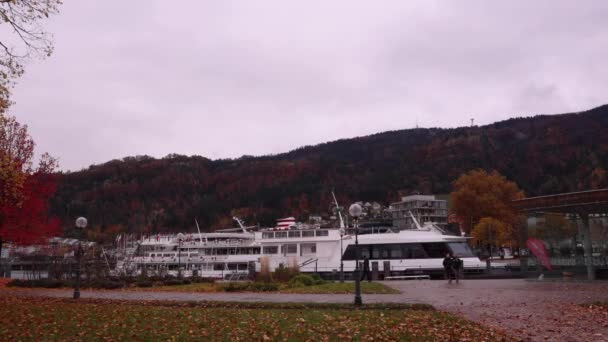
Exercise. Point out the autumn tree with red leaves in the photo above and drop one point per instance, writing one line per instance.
(25, 188)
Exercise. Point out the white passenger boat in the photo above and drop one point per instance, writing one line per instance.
(238, 252)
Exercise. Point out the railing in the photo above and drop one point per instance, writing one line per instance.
(571, 261)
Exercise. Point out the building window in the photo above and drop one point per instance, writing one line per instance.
(308, 233)
(289, 249)
(308, 249)
(270, 250)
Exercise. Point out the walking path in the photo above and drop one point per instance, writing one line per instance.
(525, 309)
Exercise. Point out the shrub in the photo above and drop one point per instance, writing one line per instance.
(202, 280)
(15, 283)
(284, 274)
(263, 287)
(186, 281)
(317, 279)
(250, 286)
(302, 280)
(46, 283)
(51, 283)
(173, 282)
(144, 283)
(110, 285)
(265, 277)
(235, 287)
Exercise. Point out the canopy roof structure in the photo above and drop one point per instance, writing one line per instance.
(583, 202)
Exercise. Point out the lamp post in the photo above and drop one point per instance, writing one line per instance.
(355, 211)
(342, 231)
(180, 238)
(81, 223)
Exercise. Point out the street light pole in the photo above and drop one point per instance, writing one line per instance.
(341, 256)
(81, 223)
(355, 211)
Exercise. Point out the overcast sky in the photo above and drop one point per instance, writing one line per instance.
(228, 78)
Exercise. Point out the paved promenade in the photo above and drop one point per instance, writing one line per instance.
(525, 309)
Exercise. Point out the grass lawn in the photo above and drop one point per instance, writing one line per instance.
(37, 319)
(346, 287)
(328, 288)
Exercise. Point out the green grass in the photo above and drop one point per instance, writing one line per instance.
(36, 319)
(327, 288)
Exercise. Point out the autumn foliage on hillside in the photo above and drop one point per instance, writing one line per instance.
(542, 155)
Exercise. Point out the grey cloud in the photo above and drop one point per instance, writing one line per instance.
(227, 78)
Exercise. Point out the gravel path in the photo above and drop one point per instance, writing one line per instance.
(527, 310)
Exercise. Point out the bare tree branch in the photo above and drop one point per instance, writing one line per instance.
(25, 19)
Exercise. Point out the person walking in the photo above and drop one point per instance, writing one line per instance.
(456, 268)
(366, 272)
(447, 265)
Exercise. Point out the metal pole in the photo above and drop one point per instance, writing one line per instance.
(358, 300)
(586, 235)
(77, 283)
(341, 260)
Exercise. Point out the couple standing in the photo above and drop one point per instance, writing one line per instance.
(452, 266)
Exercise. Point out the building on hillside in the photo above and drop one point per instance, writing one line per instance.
(425, 208)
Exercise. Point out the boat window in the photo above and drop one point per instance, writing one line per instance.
(308, 233)
(387, 251)
(435, 249)
(394, 251)
(460, 249)
(289, 249)
(413, 251)
(279, 235)
(294, 234)
(351, 252)
(270, 249)
(268, 235)
(308, 248)
(247, 250)
(365, 252)
(322, 233)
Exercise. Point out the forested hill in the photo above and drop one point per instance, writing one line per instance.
(543, 154)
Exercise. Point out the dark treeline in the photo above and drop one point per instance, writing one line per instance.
(542, 154)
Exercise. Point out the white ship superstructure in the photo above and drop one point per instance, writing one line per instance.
(236, 253)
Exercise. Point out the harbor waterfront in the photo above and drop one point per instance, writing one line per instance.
(235, 255)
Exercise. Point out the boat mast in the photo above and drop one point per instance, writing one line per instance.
(200, 239)
(338, 210)
(240, 223)
(415, 221)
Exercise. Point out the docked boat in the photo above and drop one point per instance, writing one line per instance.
(238, 252)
